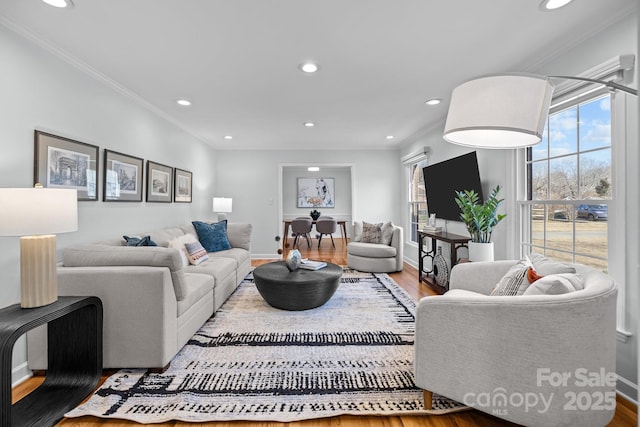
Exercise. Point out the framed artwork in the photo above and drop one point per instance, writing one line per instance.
(182, 186)
(316, 193)
(64, 163)
(159, 182)
(122, 177)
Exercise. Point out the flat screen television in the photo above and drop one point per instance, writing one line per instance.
(443, 179)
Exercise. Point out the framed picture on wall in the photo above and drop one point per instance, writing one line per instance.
(182, 186)
(316, 193)
(64, 163)
(122, 177)
(159, 182)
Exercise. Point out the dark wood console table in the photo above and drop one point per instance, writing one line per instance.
(455, 241)
(74, 343)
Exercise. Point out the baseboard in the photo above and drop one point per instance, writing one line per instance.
(627, 389)
(411, 262)
(20, 374)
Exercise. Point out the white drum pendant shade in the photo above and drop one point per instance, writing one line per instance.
(502, 111)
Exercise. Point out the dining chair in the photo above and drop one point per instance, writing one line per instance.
(301, 227)
(324, 226)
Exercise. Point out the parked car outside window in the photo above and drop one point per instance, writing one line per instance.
(593, 212)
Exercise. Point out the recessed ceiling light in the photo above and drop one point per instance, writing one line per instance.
(59, 3)
(390, 136)
(184, 102)
(309, 67)
(228, 137)
(553, 4)
(434, 101)
(313, 168)
(309, 124)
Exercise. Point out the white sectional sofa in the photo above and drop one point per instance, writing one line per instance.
(153, 303)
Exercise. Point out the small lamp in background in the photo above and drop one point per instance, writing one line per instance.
(36, 214)
(222, 205)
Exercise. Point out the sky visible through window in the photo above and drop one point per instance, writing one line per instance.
(570, 173)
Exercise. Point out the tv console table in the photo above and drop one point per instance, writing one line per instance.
(455, 241)
(74, 347)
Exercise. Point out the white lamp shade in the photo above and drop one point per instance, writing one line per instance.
(502, 111)
(34, 211)
(222, 204)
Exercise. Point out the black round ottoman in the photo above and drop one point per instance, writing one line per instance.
(296, 290)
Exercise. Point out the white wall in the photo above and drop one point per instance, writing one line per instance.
(619, 39)
(342, 194)
(40, 91)
(251, 178)
(491, 165)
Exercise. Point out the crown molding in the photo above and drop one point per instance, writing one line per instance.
(92, 72)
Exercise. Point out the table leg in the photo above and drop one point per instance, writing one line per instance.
(285, 239)
(343, 231)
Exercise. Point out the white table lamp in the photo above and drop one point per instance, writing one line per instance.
(222, 205)
(36, 214)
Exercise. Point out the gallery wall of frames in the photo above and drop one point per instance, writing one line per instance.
(65, 163)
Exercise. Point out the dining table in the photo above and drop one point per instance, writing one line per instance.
(287, 224)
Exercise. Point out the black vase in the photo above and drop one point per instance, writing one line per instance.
(315, 215)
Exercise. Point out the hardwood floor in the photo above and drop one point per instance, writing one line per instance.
(626, 413)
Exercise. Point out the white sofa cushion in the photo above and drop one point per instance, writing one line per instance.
(371, 250)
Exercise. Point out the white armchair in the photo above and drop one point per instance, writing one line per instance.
(376, 257)
(537, 360)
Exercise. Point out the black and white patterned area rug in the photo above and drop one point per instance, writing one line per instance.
(253, 362)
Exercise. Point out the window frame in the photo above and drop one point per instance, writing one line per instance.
(611, 70)
(414, 162)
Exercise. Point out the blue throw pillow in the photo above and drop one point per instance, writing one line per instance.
(213, 237)
(139, 241)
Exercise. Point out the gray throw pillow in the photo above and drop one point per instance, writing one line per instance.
(371, 233)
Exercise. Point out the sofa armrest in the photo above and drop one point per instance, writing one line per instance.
(480, 277)
(140, 314)
(97, 255)
(397, 241)
(239, 235)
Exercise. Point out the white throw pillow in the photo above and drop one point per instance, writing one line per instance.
(556, 284)
(179, 244)
(545, 267)
(387, 233)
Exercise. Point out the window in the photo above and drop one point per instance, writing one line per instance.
(569, 183)
(417, 199)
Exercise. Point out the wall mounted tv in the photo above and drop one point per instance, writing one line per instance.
(443, 179)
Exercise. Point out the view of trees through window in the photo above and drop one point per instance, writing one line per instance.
(569, 181)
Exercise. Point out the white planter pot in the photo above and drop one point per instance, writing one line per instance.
(480, 251)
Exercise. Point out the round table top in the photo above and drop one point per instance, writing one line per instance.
(278, 271)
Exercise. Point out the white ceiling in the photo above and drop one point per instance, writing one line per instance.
(237, 60)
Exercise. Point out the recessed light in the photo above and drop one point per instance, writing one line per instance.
(309, 124)
(228, 137)
(553, 4)
(313, 168)
(184, 102)
(390, 137)
(434, 101)
(59, 3)
(309, 67)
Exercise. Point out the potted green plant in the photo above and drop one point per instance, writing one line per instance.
(480, 220)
